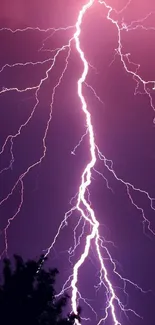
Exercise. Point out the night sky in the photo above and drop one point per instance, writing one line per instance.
(124, 129)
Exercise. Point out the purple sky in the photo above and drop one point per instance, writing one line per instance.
(124, 132)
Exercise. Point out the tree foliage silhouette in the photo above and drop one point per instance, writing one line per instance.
(27, 295)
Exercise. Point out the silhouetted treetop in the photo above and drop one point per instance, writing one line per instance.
(27, 295)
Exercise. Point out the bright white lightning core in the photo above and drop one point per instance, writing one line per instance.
(86, 180)
(83, 204)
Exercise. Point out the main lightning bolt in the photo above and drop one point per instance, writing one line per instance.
(82, 205)
(85, 182)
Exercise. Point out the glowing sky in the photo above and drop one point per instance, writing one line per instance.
(54, 140)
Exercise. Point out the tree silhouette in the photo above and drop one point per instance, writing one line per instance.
(27, 295)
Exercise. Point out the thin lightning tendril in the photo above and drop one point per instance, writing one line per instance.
(87, 220)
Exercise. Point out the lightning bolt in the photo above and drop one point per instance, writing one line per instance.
(87, 228)
(85, 182)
